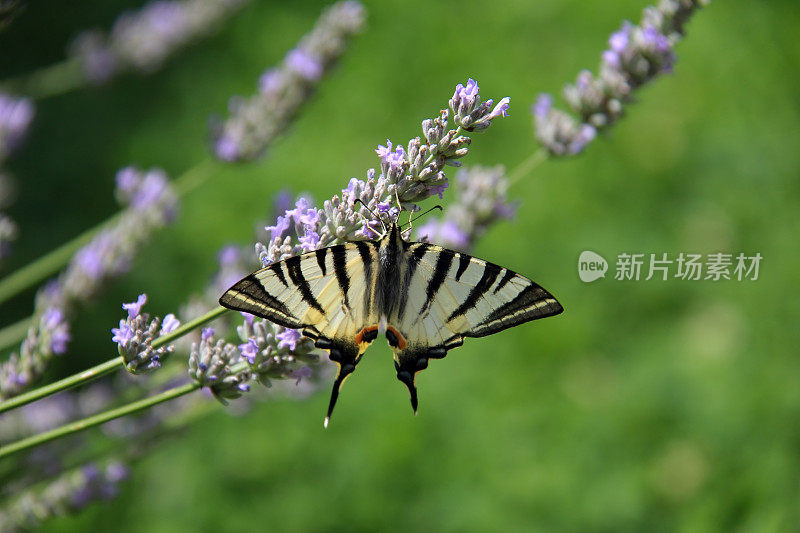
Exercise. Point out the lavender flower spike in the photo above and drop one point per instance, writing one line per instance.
(16, 115)
(480, 202)
(151, 204)
(66, 494)
(217, 366)
(637, 54)
(409, 174)
(272, 351)
(254, 122)
(143, 40)
(47, 338)
(135, 335)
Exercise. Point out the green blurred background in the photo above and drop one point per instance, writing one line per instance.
(646, 405)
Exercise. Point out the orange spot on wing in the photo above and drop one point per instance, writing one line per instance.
(360, 336)
(401, 341)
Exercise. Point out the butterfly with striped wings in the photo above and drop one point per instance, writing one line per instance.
(424, 298)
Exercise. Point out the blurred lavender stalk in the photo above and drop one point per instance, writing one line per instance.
(150, 204)
(636, 56)
(481, 200)
(16, 115)
(254, 122)
(68, 493)
(142, 40)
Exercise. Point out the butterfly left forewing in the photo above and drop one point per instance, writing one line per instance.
(327, 293)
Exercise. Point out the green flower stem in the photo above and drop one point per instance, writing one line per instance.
(67, 383)
(105, 416)
(52, 80)
(102, 369)
(49, 264)
(96, 420)
(528, 165)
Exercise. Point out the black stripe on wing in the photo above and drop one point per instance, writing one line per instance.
(490, 273)
(413, 261)
(364, 251)
(296, 275)
(249, 295)
(340, 269)
(443, 263)
(530, 303)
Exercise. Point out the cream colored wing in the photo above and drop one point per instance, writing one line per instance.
(448, 296)
(328, 293)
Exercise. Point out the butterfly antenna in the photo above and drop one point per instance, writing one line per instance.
(371, 212)
(410, 220)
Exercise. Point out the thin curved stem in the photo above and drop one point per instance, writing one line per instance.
(52, 80)
(97, 419)
(528, 165)
(102, 369)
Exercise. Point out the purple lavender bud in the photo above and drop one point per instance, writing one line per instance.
(135, 308)
(249, 350)
(122, 335)
(206, 334)
(170, 324)
(56, 328)
(543, 106)
(301, 373)
(279, 228)
(288, 339)
(304, 64)
(309, 241)
(619, 39)
(226, 148)
(465, 99)
(16, 115)
(270, 81)
(611, 59)
(501, 109)
(229, 255)
(127, 181)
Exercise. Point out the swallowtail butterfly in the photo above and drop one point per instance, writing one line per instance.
(424, 298)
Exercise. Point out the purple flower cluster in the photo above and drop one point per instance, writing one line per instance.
(636, 55)
(219, 366)
(254, 122)
(46, 338)
(135, 335)
(469, 113)
(410, 174)
(142, 40)
(67, 493)
(481, 200)
(16, 115)
(273, 352)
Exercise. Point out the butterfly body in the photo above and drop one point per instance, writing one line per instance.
(423, 298)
